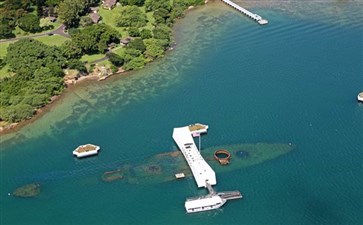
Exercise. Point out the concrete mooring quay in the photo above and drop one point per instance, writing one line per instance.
(253, 16)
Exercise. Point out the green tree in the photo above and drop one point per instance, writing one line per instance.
(52, 2)
(145, 33)
(27, 55)
(115, 59)
(16, 113)
(6, 31)
(70, 11)
(162, 32)
(16, 4)
(132, 2)
(38, 76)
(154, 48)
(137, 44)
(161, 15)
(152, 5)
(85, 21)
(2, 63)
(133, 32)
(95, 39)
(71, 50)
(130, 53)
(30, 23)
(77, 65)
(131, 16)
(135, 63)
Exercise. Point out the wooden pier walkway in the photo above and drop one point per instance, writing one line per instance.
(253, 16)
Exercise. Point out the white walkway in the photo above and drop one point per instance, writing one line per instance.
(202, 172)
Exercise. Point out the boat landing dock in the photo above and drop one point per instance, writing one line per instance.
(230, 195)
(227, 195)
(253, 16)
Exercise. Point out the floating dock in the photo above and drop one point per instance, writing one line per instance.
(244, 11)
(360, 97)
(203, 174)
(86, 150)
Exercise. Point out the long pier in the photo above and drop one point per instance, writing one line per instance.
(244, 11)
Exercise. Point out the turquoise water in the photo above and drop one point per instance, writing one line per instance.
(294, 80)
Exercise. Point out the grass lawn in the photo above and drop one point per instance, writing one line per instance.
(105, 63)
(47, 22)
(43, 22)
(91, 58)
(109, 17)
(56, 40)
(48, 40)
(4, 72)
(119, 50)
(3, 48)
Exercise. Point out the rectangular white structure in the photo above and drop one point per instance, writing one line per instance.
(204, 203)
(202, 172)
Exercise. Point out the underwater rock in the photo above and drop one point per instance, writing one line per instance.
(27, 191)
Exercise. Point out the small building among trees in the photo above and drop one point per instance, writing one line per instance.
(109, 4)
(95, 17)
(125, 41)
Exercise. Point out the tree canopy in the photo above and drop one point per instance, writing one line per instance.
(154, 48)
(131, 16)
(30, 23)
(38, 76)
(70, 11)
(95, 39)
(25, 56)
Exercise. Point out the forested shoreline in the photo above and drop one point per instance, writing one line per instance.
(38, 70)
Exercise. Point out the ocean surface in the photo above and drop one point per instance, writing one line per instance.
(294, 80)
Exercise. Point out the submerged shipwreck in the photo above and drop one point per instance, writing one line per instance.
(202, 164)
(162, 167)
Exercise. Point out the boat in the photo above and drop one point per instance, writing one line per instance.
(204, 203)
(360, 97)
(86, 150)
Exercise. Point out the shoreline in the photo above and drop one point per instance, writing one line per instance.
(89, 80)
